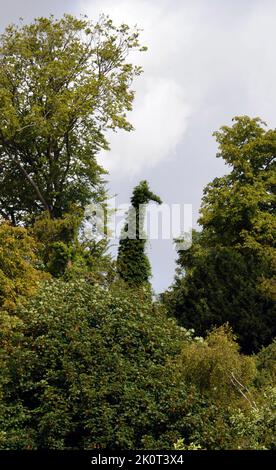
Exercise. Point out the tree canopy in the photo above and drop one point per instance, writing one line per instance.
(228, 275)
(63, 83)
(239, 209)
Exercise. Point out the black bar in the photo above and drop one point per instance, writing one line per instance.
(133, 459)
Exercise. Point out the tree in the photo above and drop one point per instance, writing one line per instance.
(238, 210)
(63, 83)
(19, 275)
(237, 391)
(89, 368)
(132, 263)
(228, 273)
(216, 367)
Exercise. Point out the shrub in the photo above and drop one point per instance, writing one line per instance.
(89, 368)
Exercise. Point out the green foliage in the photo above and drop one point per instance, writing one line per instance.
(237, 409)
(19, 275)
(216, 428)
(87, 362)
(180, 445)
(85, 367)
(228, 275)
(65, 253)
(216, 367)
(238, 210)
(266, 364)
(221, 285)
(256, 430)
(63, 83)
(19, 279)
(93, 263)
(143, 195)
(132, 263)
(58, 240)
(89, 368)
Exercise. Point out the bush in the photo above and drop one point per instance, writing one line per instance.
(89, 368)
(216, 367)
(237, 409)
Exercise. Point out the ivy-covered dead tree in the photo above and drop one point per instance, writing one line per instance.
(133, 264)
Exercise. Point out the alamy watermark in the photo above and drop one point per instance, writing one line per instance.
(151, 222)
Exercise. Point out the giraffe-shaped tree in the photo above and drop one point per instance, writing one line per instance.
(132, 263)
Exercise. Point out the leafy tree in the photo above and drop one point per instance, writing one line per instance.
(217, 368)
(221, 285)
(19, 279)
(132, 262)
(63, 83)
(238, 405)
(19, 275)
(256, 430)
(66, 252)
(90, 368)
(238, 210)
(217, 428)
(228, 273)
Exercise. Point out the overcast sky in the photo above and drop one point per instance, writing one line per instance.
(208, 60)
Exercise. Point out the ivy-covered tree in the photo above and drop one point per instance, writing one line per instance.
(132, 263)
(63, 83)
(228, 275)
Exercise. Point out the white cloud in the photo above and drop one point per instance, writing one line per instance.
(161, 108)
(206, 62)
(160, 120)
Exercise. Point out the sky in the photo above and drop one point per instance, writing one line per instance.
(207, 61)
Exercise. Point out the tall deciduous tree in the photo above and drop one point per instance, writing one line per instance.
(228, 275)
(239, 209)
(63, 83)
(133, 263)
